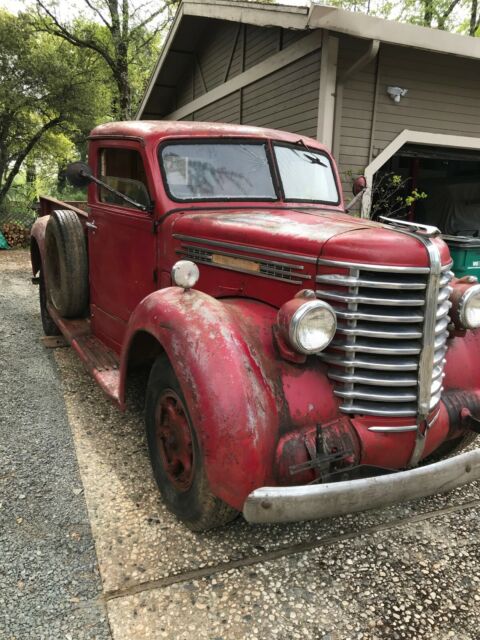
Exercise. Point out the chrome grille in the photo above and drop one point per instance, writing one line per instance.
(374, 358)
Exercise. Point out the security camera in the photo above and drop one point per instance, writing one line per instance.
(396, 93)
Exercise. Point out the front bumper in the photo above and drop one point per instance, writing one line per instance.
(312, 502)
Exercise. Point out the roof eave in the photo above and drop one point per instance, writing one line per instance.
(360, 25)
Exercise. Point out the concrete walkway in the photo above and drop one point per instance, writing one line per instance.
(412, 571)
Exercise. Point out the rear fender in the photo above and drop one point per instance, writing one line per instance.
(243, 398)
(37, 243)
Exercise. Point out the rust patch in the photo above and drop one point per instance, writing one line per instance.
(54, 342)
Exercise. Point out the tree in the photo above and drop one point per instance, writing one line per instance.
(474, 23)
(46, 87)
(121, 34)
(441, 14)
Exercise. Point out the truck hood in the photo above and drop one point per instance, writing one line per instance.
(310, 233)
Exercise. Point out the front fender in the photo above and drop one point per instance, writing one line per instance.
(231, 402)
(242, 397)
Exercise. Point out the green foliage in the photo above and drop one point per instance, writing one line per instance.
(393, 196)
(51, 94)
(123, 35)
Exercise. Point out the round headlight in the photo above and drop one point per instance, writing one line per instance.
(185, 274)
(312, 327)
(469, 308)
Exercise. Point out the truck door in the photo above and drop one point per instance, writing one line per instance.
(122, 245)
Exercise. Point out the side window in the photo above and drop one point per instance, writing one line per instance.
(123, 170)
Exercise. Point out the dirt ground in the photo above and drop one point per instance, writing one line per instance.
(409, 571)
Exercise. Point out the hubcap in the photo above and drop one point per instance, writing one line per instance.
(174, 440)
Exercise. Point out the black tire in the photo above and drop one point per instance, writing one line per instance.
(194, 504)
(452, 447)
(66, 264)
(49, 326)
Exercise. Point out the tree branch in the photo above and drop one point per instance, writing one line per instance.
(98, 12)
(10, 176)
(58, 29)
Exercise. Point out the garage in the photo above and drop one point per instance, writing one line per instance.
(383, 96)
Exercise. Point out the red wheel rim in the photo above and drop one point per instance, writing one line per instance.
(174, 440)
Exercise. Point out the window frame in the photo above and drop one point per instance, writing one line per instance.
(125, 206)
(299, 147)
(217, 141)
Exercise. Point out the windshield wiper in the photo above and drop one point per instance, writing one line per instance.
(313, 159)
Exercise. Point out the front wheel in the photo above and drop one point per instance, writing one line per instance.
(175, 454)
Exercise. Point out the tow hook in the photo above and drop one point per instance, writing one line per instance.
(469, 421)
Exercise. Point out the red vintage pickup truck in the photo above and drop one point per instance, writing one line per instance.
(302, 362)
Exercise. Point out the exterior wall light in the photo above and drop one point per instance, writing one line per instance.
(396, 93)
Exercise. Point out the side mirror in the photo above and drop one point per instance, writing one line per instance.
(78, 174)
(359, 185)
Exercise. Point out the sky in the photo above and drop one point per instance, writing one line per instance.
(16, 5)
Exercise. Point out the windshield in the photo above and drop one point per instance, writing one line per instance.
(306, 175)
(218, 171)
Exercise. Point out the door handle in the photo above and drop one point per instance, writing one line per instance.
(91, 225)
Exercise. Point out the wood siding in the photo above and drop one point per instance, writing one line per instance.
(286, 99)
(357, 111)
(443, 95)
(225, 110)
(226, 50)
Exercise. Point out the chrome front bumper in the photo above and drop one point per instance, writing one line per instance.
(312, 502)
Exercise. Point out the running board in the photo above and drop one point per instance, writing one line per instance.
(102, 363)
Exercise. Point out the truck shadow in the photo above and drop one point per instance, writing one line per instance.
(137, 539)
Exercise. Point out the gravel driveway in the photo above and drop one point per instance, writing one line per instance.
(407, 572)
(49, 579)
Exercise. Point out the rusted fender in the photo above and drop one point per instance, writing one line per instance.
(233, 401)
(37, 243)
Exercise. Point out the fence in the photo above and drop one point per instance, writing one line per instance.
(18, 213)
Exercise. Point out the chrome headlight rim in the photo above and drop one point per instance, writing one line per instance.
(466, 298)
(299, 316)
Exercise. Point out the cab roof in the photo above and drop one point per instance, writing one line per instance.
(152, 131)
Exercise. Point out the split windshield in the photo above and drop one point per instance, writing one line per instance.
(244, 171)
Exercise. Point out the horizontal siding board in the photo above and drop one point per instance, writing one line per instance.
(290, 36)
(286, 99)
(225, 110)
(443, 95)
(185, 89)
(260, 44)
(357, 107)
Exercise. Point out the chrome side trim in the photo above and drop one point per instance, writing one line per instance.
(404, 429)
(311, 502)
(243, 247)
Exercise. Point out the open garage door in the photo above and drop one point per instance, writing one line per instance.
(450, 179)
(446, 168)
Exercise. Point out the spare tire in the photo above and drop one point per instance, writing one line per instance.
(66, 264)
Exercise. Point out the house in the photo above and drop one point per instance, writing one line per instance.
(383, 96)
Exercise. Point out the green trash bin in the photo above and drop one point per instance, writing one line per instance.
(465, 252)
